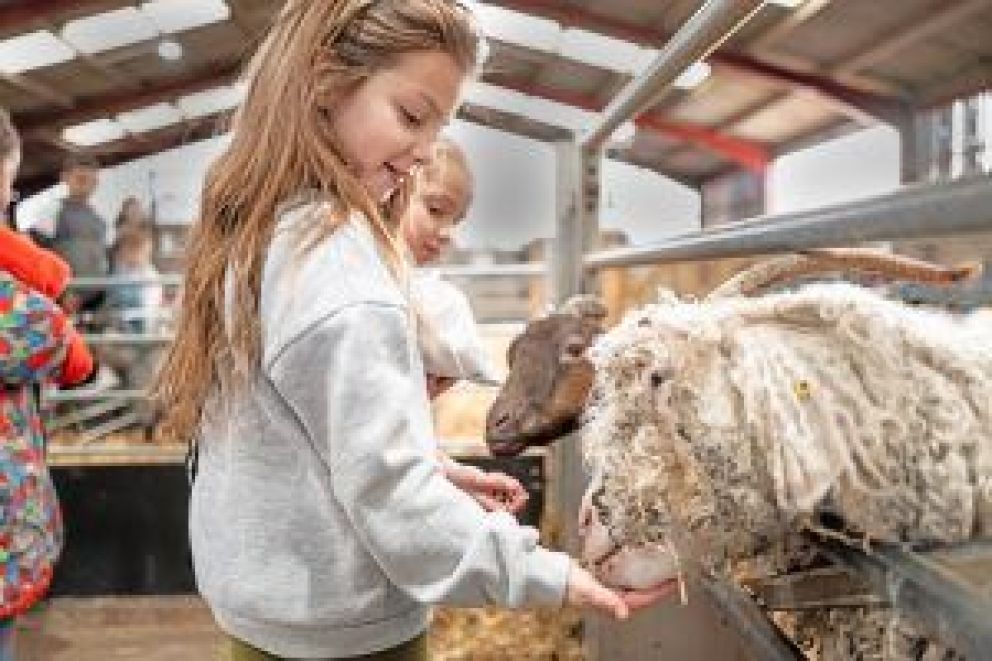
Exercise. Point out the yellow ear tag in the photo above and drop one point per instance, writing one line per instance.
(803, 390)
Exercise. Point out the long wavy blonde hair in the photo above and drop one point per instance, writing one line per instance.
(282, 144)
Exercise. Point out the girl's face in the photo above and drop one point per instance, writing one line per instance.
(436, 207)
(8, 173)
(387, 125)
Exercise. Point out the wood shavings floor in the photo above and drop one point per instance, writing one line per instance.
(182, 629)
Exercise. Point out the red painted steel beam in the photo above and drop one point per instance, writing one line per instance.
(887, 109)
(750, 154)
(882, 107)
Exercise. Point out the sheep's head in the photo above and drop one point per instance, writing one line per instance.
(685, 451)
(549, 379)
(630, 516)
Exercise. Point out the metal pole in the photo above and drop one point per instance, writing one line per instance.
(959, 207)
(529, 270)
(566, 259)
(98, 282)
(128, 339)
(945, 604)
(758, 633)
(701, 35)
(85, 395)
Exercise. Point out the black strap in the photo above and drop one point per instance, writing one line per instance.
(192, 460)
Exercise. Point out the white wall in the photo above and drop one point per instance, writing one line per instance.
(515, 194)
(857, 165)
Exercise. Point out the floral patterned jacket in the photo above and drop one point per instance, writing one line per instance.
(33, 341)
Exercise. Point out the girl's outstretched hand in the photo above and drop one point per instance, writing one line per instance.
(585, 591)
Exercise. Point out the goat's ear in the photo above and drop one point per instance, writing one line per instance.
(587, 306)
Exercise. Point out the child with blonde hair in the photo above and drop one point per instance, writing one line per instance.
(320, 524)
(449, 338)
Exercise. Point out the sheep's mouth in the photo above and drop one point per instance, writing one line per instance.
(610, 553)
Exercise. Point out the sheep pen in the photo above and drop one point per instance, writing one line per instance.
(720, 430)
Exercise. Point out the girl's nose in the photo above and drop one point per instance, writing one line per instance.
(421, 151)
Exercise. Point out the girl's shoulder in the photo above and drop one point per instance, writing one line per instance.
(317, 265)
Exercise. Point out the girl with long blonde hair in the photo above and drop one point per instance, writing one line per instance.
(320, 524)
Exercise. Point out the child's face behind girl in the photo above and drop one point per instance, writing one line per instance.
(387, 125)
(438, 204)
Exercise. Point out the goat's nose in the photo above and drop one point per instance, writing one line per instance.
(500, 420)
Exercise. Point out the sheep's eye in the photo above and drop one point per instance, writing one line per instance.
(659, 376)
(575, 349)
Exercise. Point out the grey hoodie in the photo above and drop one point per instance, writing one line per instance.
(321, 526)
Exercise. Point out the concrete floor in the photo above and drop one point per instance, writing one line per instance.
(112, 629)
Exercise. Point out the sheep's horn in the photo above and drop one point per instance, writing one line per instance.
(585, 305)
(830, 260)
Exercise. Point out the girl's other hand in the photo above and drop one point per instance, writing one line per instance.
(496, 492)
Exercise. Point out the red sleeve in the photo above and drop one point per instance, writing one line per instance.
(78, 363)
(35, 267)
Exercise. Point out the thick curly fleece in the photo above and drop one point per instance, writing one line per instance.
(723, 426)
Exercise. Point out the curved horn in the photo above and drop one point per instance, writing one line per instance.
(585, 305)
(829, 260)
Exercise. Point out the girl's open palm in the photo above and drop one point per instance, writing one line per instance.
(586, 592)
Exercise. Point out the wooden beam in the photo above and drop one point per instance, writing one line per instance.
(18, 15)
(130, 148)
(969, 81)
(792, 19)
(861, 100)
(914, 31)
(886, 109)
(113, 104)
(747, 153)
(37, 89)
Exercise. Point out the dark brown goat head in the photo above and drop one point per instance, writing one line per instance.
(549, 379)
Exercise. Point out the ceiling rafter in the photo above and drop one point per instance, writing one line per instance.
(913, 32)
(747, 153)
(21, 14)
(576, 17)
(131, 148)
(790, 21)
(118, 102)
(37, 89)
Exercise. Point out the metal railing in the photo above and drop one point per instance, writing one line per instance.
(925, 210)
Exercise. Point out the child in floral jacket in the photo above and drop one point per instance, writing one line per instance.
(37, 344)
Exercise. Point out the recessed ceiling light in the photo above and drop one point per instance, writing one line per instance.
(94, 133)
(150, 118)
(109, 30)
(170, 49)
(211, 101)
(178, 15)
(693, 76)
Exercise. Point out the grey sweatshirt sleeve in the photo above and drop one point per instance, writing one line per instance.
(348, 380)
